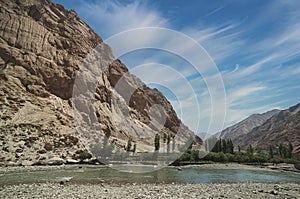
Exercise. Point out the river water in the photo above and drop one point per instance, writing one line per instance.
(166, 175)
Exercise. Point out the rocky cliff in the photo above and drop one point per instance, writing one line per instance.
(43, 49)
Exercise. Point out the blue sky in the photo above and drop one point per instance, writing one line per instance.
(254, 44)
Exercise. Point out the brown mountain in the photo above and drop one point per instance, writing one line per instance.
(283, 127)
(43, 50)
(236, 131)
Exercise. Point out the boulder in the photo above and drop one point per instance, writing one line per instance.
(72, 161)
(55, 161)
(27, 163)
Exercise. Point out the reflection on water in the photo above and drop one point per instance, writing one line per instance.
(166, 175)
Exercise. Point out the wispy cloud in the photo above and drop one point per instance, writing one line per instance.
(243, 92)
(291, 71)
(115, 17)
(291, 35)
(214, 11)
(221, 41)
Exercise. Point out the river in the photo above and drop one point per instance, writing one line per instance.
(166, 175)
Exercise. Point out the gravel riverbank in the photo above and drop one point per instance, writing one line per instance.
(69, 190)
(73, 189)
(277, 167)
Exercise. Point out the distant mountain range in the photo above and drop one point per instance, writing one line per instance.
(246, 125)
(268, 129)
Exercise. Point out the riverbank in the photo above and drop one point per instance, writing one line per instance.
(105, 185)
(15, 169)
(266, 167)
(282, 167)
(132, 190)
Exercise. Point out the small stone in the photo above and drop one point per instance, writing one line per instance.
(10, 163)
(277, 187)
(273, 192)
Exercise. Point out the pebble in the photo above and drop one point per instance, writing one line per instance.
(123, 191)
(273, 192)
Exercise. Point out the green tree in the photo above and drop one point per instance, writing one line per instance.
(157, 142)
(85, 155)
(239, 148)
(168, 143)
(271, 152)
(250, 150)
(195, 156)
(229, 146)
(134, 148)
(173, 144)
(290, 150)
(165, 138)
(224, 146)
(218, 146)
(210, 143)
(128, 147)
(221, 157)
(232, 147)
(259, 158)
(280, 150)
(284, 152)
(186, 156)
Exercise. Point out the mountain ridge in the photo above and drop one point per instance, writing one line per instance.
(246, 125)
(271, 128)
(282, 128)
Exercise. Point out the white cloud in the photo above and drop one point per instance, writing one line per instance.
(291, 71)
(214, 11)
(115, 17)
(219, 41)
(241, 92)
(290, 35)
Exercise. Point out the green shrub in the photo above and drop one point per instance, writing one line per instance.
(84, 155)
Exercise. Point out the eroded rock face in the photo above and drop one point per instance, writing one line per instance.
(42, 49)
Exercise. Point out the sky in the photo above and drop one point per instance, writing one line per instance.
(249, 53)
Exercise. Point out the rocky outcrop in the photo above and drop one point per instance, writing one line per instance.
(43, 48)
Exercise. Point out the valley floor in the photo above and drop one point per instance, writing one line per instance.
(266, 167)
(149, 190)
(282, 167)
